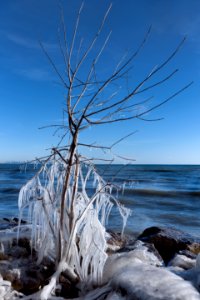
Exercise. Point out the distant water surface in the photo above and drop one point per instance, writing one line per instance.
(166, 195)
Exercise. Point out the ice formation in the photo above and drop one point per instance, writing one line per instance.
(73, 235)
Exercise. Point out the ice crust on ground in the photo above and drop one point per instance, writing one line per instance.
(183, 262)
(119, 261)
(146, 282)
(139, 274)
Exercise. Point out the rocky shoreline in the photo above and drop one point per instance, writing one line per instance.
(161, 263)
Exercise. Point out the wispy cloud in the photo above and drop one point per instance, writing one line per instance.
(36, 74)
(21, 41)
(28, 42)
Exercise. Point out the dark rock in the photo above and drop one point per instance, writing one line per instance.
(25, 275)
(24, 243)
(3, 256)
(152, 249)
(19, 266)
(47, 267)
(30, 285)
(17, 252)
(149, 232)
(6, 219)
(16, 220)
(167, 241)
(67, 288)
(6, 223)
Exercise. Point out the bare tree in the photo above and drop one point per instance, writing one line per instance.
(68, 223)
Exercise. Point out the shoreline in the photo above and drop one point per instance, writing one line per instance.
(160, 252)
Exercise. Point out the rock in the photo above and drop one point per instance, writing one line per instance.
(25, 277)
(114, 296)
(12, 249)
(19, 266)
(115, 241)
(6, 223)
(147, 282)
(3, 255)
(139, 274)
(188, 253)
(6, 219)
(17, 252)
(23, 243)
(7, 235)
(67, 288)
(134, 245)
(16, 220)
(192, 275)
(7, 292)
(123, 260)
(100, 294)
(194, 248)
(33, 276)
(30, 285)
(167, 241)
(183, 262)
(5, 266)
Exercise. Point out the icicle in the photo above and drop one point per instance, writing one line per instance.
(125, 213)
(123, 187)
(83, 237)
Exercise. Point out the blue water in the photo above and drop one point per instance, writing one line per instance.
(166, 195)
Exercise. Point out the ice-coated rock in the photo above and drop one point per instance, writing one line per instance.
(147, 282)
(115, 296)
(182, 261)
(192, 275)
(118, 261)
(6, 291)
(198, 262)
(139, 274)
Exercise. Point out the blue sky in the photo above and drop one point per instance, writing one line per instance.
(31, 96)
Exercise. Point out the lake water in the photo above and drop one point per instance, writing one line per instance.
(166, 195)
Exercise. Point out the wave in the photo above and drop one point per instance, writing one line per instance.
(130, 192)
(9, 190)
(161, 193)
